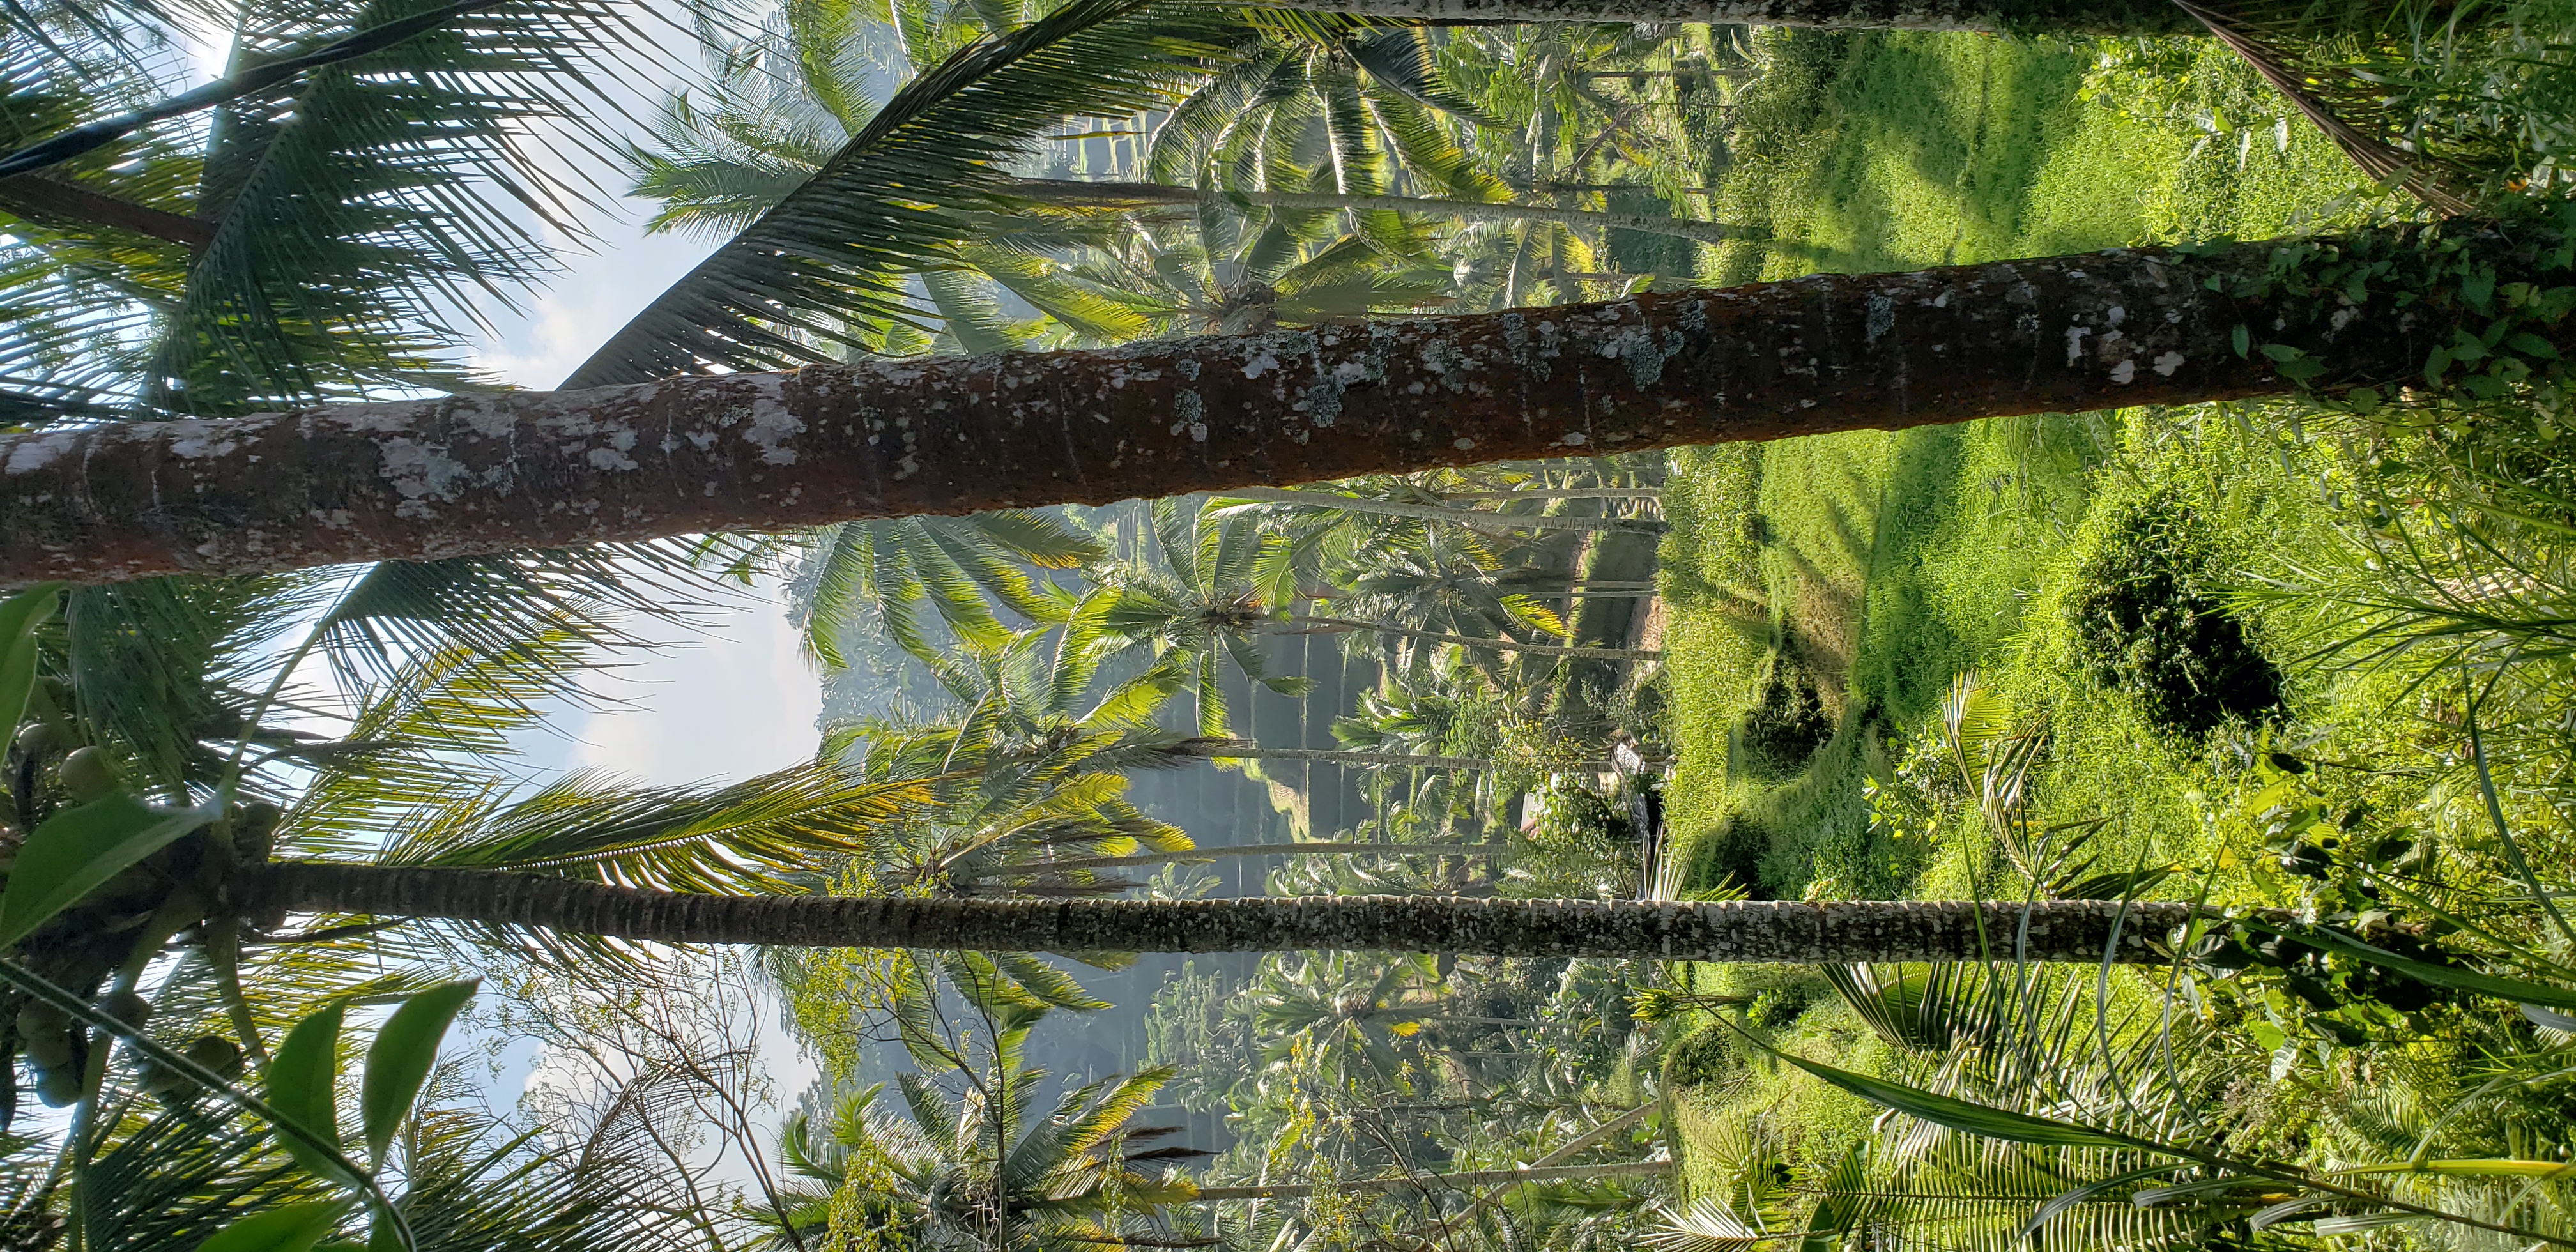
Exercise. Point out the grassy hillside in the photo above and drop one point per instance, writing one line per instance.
(1825, 593)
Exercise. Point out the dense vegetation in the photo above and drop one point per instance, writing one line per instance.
(2276, 651)
(2304, 661)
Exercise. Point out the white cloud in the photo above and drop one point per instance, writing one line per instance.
(605, 286)
(727, 702)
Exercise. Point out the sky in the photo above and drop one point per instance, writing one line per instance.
(715, 704)
(723, 702)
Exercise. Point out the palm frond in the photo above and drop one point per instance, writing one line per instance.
(790, 289)
(753, 835)
(355, 211)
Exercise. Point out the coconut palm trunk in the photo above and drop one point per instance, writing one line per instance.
(1441, 1182)
(1305, 623)
(1476, 518)
(1565, 1153)
(2073, 17)
(1247, 750)
(1768, 931)
(1137, 195)
(44, 196)
(1317, 848)
(461, 475)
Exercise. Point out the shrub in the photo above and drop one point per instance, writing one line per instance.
(1781, 733)
(1732, 855)
(1706, 1056)
(2145, 623)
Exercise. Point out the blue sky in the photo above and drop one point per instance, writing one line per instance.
(727, 701)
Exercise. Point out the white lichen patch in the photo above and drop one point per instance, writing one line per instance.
(192, 441)
(31, 453)
(372, 419)
(772, 428)
(421, 474)
(2124, 371)
(485, 418)
(2166, 365)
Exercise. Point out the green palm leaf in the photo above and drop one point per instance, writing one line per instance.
(792, 287)
(746, 836)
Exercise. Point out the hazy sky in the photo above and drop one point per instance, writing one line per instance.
(724, 703)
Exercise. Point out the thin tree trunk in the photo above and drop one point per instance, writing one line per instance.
(1441, 1182)
(1125, 195)
(2076, 17)
(462, 475)
(1244, 849)
(1777, 931)
(1563, 1154)
(1465, 517)
(44, 196)
(1343, 625)
(1245, 749)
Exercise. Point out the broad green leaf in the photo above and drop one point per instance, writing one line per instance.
(76, 850)
(399, 1061)
(287, 1228)
(20, 615)
(2426, 972)
(1962, 1115)
(302, 1087)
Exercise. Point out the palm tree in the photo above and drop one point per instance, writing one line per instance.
(325, 237)
(1444, 590)
(972, 1162)
(1137, 196)
(1215, 587)
(1775, 931)
(1344, 1017)
(960, 567)
(1195, 604)
(1435, 1183)
(1474, 518)
(958, 435)
(1034, 766)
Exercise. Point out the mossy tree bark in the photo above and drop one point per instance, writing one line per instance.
(422, 480)
(1766, 931)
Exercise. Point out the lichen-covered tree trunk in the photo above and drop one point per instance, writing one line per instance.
(1248, 750)
(2080, 17)
(1769, 931)
(484, 473)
